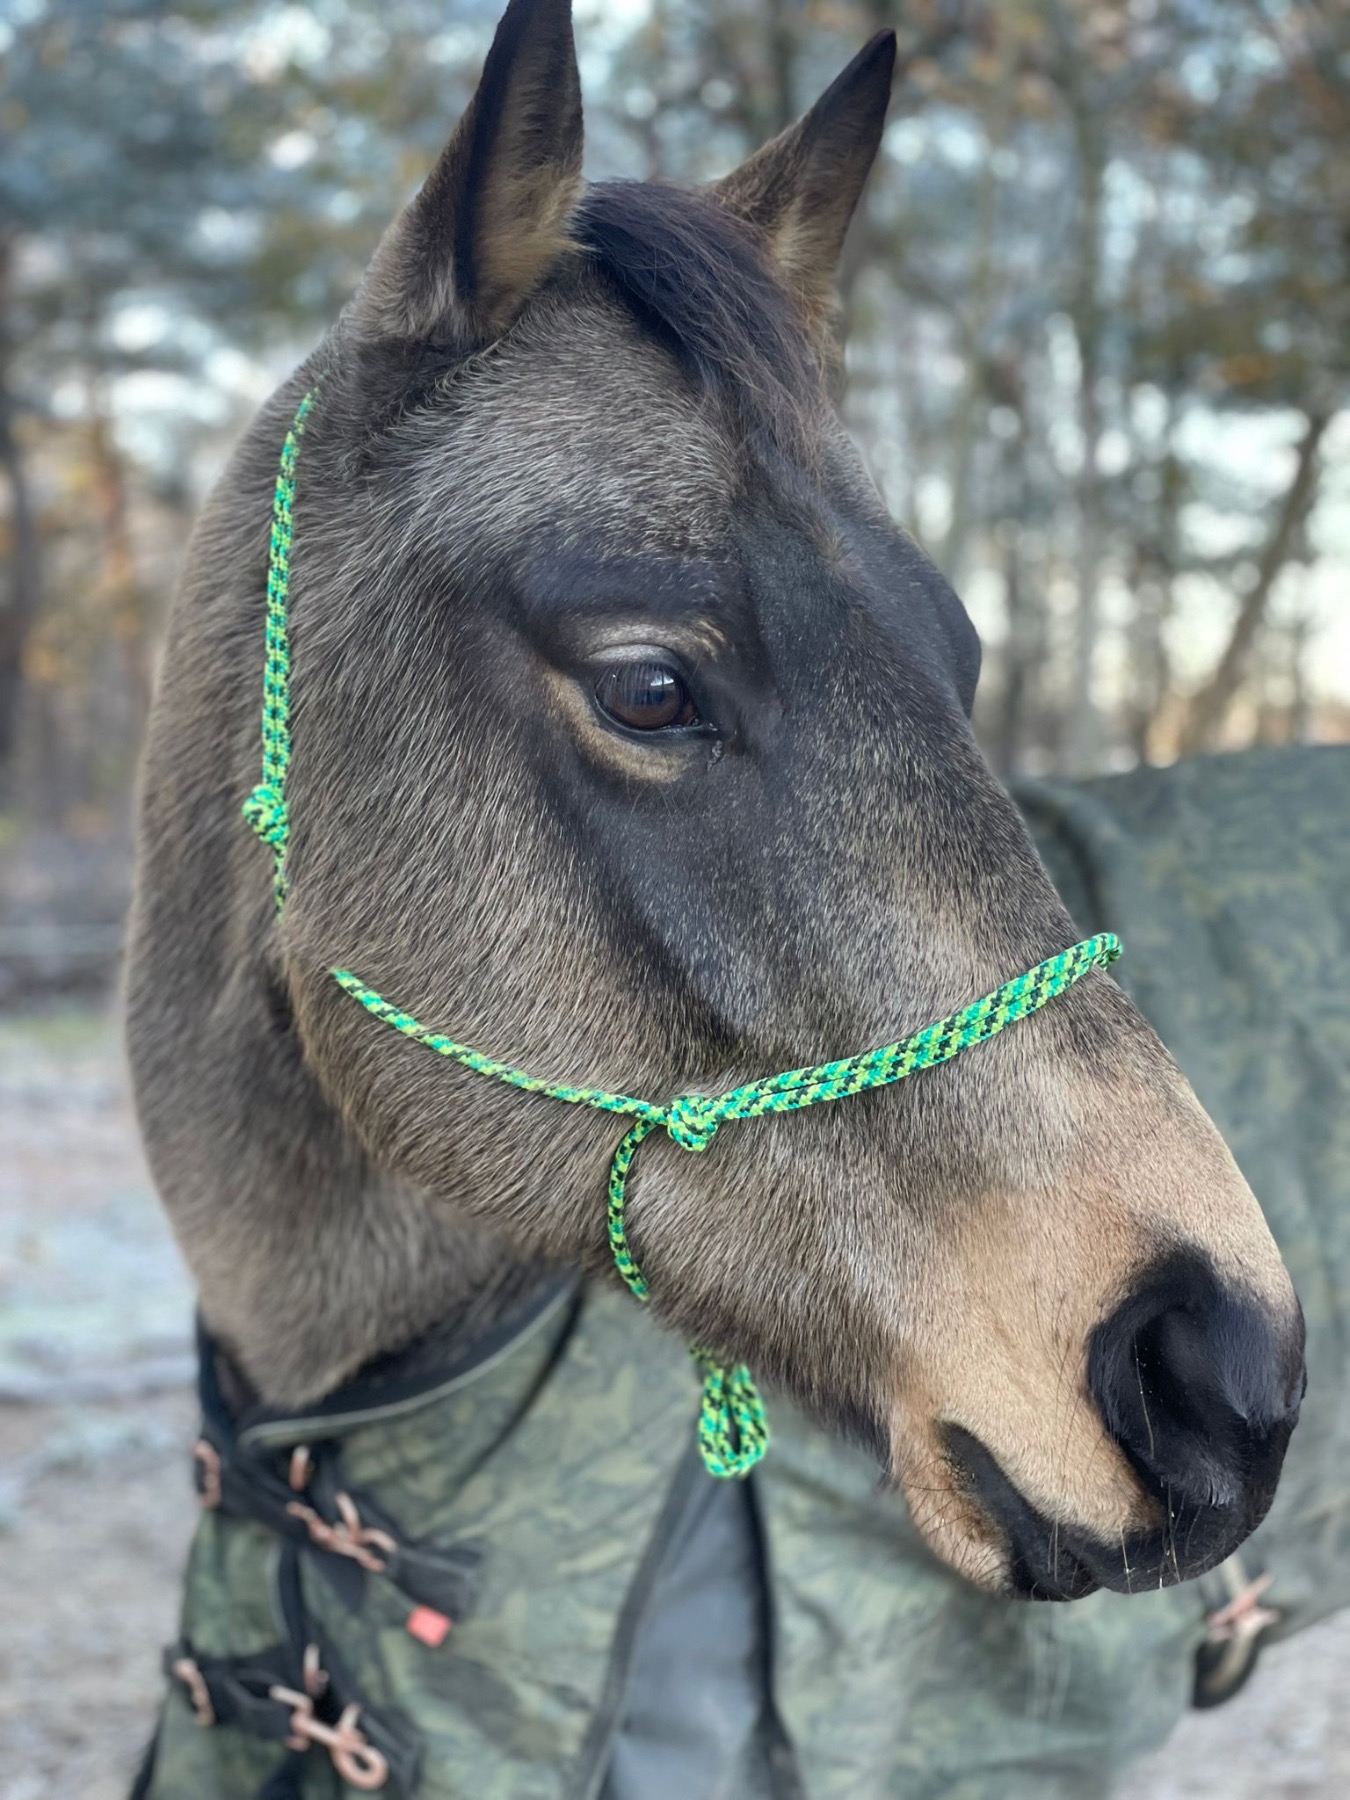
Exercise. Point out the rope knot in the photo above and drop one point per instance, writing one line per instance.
(692, 1122)
(733, 1432)
(265, 810)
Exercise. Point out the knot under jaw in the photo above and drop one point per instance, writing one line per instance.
(692, 1122)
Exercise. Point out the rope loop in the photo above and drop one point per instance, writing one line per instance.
(733, 1427)
(692, 1122)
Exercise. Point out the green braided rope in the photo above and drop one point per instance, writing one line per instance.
(265, 808)
(733, 1431)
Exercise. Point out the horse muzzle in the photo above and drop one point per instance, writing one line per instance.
(1199, 1386)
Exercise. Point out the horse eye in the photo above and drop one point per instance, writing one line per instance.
(645, 696)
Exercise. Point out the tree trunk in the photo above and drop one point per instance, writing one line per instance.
(1023, 606)
(1083, 737)
(970, 407)
(1006, 737)
(1157, 556)
(24, 597)
(122, 594)
(1209, 706)
(782, 47)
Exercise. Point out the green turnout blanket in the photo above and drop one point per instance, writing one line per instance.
(571, 1610)
(1228, 879)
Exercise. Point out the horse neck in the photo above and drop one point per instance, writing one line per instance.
(310, 1260)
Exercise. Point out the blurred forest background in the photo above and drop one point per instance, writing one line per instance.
(1098, 316)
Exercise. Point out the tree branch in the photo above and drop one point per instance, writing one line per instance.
(1209, 706)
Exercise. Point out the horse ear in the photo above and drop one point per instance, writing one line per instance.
(802, 186)
(491, 219)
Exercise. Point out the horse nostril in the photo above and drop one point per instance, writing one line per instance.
(1200, 1387)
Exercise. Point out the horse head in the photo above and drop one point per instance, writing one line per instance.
(632, 744)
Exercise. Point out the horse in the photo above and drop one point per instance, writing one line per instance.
(627, 738)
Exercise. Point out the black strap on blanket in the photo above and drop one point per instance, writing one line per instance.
(236, 1690)
(347, 1529)
(297, 1693)
(238, 1472)
(252, 1694)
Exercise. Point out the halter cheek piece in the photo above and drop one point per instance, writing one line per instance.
(733, 1431)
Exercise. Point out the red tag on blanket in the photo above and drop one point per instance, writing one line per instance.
(428, 1626)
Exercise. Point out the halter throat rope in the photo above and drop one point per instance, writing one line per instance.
(733, 1431)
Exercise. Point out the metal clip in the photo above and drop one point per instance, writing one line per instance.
(355, 1758)
(207, 1458)
(186, 1671)
(349, 1537)
(1244, 1616)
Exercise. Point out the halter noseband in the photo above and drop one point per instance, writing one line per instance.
(733, 1432)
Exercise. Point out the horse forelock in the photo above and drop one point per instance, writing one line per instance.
(702, 282)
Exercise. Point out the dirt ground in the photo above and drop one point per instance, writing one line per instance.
(96, 1420)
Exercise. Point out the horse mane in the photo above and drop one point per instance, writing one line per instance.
(700, 279)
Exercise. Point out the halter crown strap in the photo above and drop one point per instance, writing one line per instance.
(265, 808)
(733, 1432)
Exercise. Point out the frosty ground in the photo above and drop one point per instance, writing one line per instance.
(96, 1507)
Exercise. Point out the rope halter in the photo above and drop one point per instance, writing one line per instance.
(733, 1432)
